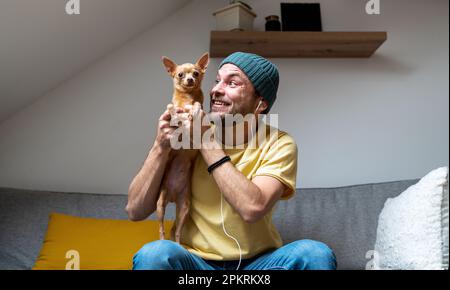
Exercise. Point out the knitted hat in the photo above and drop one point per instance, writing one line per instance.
(262, 73)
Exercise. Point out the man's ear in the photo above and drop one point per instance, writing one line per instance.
(170, 66)
(203, 62)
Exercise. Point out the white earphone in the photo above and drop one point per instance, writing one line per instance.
(260, 102)
(223, 221)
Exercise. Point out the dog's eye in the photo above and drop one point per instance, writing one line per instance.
(180, 75)
(195, 74)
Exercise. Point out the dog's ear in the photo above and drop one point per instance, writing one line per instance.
(170, 66)
(203, 62)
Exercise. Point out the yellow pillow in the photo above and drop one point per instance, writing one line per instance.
(89, 243)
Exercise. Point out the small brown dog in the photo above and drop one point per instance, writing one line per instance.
(176, 183)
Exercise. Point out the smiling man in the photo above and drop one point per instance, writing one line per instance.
(233, 190)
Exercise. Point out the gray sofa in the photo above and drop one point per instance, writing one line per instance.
(345, 218)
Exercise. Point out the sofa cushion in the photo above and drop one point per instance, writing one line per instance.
(94, 244)
(410, 227)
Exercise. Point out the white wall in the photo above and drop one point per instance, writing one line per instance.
(41, 45)
(355, 120)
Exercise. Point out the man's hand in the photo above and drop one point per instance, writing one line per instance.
(165, 131)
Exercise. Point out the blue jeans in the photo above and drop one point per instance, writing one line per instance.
(298, 255)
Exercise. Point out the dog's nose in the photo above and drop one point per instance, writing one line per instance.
(190, 80)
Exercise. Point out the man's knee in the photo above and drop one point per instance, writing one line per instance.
(159, 248)
(158, 255)
(312, 254)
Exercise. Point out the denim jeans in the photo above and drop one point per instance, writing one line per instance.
(298, 255)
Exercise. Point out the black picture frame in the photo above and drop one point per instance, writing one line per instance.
(301, 17)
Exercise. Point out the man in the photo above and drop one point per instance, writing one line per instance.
(241, 192)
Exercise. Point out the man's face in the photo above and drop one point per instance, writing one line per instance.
(233, 93)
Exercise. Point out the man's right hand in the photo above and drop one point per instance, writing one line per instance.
(165, 131)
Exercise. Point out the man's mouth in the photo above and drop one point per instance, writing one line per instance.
(219, 105)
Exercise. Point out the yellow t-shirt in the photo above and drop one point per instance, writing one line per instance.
(203, 234)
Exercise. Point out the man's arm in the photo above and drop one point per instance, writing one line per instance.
(252, 199)
(143, 191)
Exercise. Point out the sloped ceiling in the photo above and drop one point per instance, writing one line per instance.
(41, 45)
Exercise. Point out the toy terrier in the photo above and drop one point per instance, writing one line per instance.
(176, 183)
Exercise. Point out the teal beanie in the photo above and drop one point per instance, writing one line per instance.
(262, 73)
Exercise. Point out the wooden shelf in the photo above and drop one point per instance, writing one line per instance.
(297, 44)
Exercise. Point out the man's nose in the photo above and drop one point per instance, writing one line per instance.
(217, 90)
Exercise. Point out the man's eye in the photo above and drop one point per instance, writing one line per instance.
(216, 82)
(180, 75)
(233, 83)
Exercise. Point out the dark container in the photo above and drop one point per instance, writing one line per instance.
(301, 17)
(273, 23)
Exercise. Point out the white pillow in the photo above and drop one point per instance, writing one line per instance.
(412, 228)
